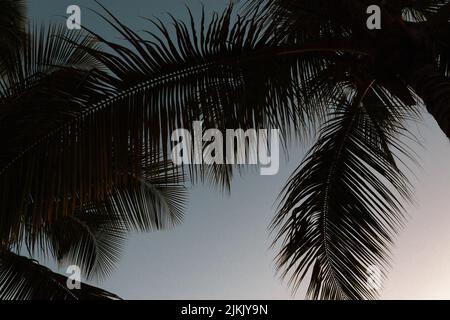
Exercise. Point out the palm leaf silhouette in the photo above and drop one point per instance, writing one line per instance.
(341, 208)
(24, 279)
(69, 203)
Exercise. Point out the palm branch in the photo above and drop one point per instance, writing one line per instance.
(341, 209)
(12, 28)
(22, 278)
(70, 203)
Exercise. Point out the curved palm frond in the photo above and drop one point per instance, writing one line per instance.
(72, 159)
(24, 279)
(211, 72)
(129, 111)
(93, 235)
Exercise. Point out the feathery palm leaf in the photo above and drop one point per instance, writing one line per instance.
(341, 208)
(409, 52)
(47, 89)
(209, 72)
(74, 158)
(93, 236)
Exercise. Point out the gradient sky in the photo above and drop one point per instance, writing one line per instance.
(221, 251)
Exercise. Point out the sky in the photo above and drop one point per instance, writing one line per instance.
(221, 250)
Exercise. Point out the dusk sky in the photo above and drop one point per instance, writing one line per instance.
(221, 250)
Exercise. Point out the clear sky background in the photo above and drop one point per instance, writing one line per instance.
(221, 251)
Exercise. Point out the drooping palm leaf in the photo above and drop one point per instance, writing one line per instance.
(92, 239)
(341, 208)
(93, 236)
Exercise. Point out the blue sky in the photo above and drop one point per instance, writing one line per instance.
(221, 251)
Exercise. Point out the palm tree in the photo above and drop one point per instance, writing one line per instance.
(308, 67)
(80, 205)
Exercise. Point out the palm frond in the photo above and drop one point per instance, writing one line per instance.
(341, 208)
(24, 279)
(426, 10)
(52, 175)
(42, 91)
(210, 72)
(113, 121)
(92, 236)
(92, 239)
(12, 29)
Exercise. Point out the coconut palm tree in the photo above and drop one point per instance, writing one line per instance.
(342, 206)
(306, 67)
(79, 207)
(86, 132)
